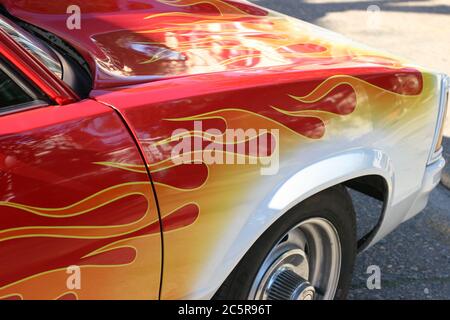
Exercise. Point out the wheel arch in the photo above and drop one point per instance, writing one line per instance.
(374, 186)
(355, 169)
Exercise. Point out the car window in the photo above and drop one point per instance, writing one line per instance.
(32, 45)
(11, 93)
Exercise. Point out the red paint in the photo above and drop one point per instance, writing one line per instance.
(13, 298)
(48, 160)
(124, 255)
(68, 296)
(182, 176)
(53, 158)
(182, 217)
(152, 115)
(119, 39)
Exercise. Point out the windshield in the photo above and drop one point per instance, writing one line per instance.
(32, 45)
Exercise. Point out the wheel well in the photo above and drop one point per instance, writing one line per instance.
(369, 196)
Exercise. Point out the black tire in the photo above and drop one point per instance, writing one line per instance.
(333, 204)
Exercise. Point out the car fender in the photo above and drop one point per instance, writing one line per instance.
(319, 176)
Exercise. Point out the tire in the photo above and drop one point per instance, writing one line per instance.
(333, 206)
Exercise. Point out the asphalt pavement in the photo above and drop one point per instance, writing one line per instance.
(414, 260)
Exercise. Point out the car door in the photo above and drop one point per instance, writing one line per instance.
(72, 226)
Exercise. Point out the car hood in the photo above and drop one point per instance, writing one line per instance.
(136, 41)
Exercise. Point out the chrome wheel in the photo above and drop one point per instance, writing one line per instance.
(304, 264)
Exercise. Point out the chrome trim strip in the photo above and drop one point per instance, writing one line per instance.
(445, 86)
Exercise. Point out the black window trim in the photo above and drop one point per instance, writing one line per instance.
(39, 98)
(75, 69)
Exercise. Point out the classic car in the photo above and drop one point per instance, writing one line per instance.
(198, 149)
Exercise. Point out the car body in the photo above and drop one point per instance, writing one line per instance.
(90, 181)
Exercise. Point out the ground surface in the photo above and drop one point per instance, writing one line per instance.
(414, 259)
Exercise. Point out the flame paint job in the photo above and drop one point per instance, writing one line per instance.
(315, 115)
(231, 65)
(138, 41)
(59, 208)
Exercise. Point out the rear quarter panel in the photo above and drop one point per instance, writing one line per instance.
(383, 117)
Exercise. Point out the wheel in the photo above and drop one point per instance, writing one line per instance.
(307, 254)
